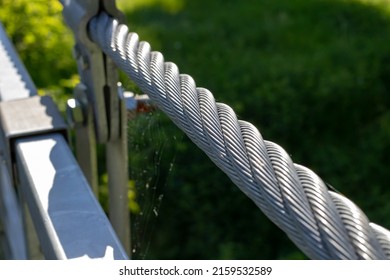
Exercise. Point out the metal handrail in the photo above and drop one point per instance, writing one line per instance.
(68, 219)
(47, 207)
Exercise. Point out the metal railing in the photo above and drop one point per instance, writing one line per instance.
(47, 207)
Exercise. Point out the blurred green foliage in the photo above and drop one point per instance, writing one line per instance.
(43, 42)
(312, 75)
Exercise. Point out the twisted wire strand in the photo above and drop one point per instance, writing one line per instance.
(323, 224)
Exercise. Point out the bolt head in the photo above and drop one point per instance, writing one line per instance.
(74, 113)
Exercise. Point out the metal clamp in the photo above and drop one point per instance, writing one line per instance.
(97, 72)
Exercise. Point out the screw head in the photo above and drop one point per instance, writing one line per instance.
(74, 113)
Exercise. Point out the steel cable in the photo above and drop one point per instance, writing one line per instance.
(322, 223)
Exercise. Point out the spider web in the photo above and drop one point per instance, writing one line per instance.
(152, 149)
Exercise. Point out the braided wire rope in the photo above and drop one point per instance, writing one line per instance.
(322, 223)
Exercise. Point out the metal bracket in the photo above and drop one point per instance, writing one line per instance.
(25, 117)
(97, 71)
(78, 13)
